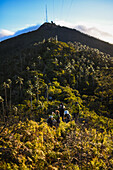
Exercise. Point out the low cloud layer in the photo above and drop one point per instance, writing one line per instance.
(5, 34)
(94, 31)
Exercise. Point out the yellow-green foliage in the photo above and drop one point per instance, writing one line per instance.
(31, 145)
(69, 73)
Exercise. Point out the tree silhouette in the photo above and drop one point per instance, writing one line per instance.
(9, 83)
(37, 87)
(5, 85)
(20, 82)
(29, 91)
(2, 101)
(47, 95)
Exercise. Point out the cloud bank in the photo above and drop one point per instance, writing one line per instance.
(5, 34)
(95, 32)
(102, 33)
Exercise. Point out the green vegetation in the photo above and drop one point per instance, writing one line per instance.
(69, 73)
(31, 145)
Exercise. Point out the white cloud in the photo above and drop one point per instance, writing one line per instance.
(4, 33)
(27, 29)
(103, 32)
(64, 23)
(95, 32)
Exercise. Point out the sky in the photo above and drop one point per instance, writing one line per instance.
(93, 17)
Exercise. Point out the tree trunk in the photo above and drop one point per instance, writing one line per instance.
(10, 99)
(3, 110)
(6, 97)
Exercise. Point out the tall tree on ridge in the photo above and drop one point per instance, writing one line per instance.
(5, 85)
(37, 86)
(20, 82)
(9, 83)
(29, 91)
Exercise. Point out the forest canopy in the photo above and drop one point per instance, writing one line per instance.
(34, 81)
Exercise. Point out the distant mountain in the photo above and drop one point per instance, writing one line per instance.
(51, 30)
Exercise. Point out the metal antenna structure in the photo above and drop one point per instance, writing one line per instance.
(46, 14)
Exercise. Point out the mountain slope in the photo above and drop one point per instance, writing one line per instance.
(35, 78)
(74, 67)
(48, 30)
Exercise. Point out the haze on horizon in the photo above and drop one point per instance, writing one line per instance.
(93, 17)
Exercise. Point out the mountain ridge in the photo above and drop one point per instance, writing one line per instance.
(48, 30)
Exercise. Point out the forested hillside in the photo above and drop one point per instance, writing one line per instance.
(34, 81)
(48, 30)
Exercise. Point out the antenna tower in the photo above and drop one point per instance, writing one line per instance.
(46, 14)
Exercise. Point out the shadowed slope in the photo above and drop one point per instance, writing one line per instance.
(51, 30)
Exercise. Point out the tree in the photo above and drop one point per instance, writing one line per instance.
(2, 101)
(9, 85)
(47, 92)
(37, 87)
(29, 91)
(5, 85)
(20, 82)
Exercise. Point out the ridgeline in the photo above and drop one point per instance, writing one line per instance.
(48, 30)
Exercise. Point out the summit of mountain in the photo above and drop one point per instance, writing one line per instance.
(48, 30)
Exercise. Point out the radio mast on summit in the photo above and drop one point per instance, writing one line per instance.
(46, 14)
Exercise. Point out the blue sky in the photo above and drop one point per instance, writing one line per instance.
(93, 17)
